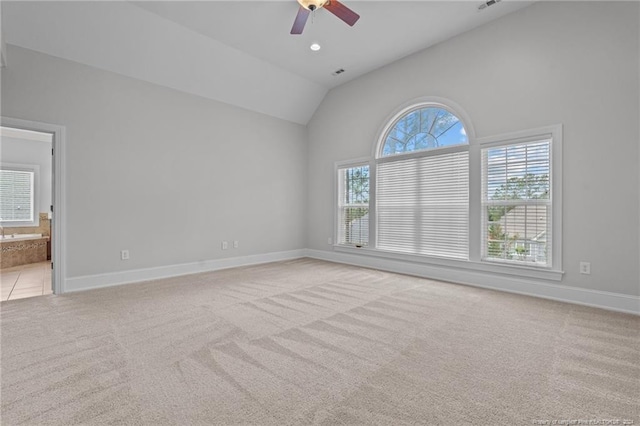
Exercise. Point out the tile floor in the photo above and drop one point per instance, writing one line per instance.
(25, 281)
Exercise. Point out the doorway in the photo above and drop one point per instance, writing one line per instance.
(30, 209)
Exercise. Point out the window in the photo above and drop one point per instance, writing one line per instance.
(516, 203)
(17, 196)
(422, 129)
(435, 194)
(353, 206)
(422, 200)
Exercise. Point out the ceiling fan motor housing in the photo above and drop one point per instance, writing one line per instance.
(334, 6)
(312, 4)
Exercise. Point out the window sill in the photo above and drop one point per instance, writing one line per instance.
(478, 266)
(16, 224)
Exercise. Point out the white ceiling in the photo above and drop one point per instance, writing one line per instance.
(386, 31)
(240, 52)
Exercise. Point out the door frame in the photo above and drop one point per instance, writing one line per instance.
(58, 200)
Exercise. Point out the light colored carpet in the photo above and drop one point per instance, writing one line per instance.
(311, 342)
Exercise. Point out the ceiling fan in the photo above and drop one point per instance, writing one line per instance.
(333, 6)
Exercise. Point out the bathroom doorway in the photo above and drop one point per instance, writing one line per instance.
(26, 175)
(30, 230)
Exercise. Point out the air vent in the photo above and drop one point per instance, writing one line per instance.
(487, 4)
(337, 72)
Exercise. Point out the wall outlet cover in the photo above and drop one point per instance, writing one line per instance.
(585, 268)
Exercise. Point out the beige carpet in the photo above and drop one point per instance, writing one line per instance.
(311, 342)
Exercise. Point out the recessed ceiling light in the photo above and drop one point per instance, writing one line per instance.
(315, 47)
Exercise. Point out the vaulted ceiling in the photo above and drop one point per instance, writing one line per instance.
(240, 52)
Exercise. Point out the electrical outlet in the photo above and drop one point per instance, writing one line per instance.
(124, 255)
(225, 245)
(329, 240)
(236, 244)
(585, 268)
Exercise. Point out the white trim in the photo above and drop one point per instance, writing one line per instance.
(494, 267)
(434, 152)
(3, 45)
(510, 284)
(521, 136)
(347, 164)
(58, 228)
(88, 282)
(29, 135)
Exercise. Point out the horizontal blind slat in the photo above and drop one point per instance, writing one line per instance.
(16, 195)
(516, 203)
(422, 205)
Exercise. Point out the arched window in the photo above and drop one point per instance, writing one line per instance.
(422, 199)
(424, 128)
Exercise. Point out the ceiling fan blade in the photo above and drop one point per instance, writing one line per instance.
(342, 12)
(301, 19)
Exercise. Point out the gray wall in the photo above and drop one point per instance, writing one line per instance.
(161, 173)
(24, 151)
(554, 62)
(169, 175)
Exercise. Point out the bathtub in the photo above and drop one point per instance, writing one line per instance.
(21, 249)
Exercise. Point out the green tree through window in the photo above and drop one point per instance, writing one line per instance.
(423, 129)
(517, 201)
(354, 210)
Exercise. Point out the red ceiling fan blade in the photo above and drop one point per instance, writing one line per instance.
(342, 12)
(301, 19)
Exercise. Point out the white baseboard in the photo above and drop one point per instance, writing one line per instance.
(88, 282)
(530, 287)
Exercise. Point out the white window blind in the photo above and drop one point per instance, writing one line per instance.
(16, 196)
(422, 205)
(353, 206)
(516, 203)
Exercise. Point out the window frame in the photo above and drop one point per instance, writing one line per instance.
(340, 231)
(413, 106)
(554, 135)
(378, 157)
(338, 166)
(475, 145)
(425, 104)
(31, 168)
